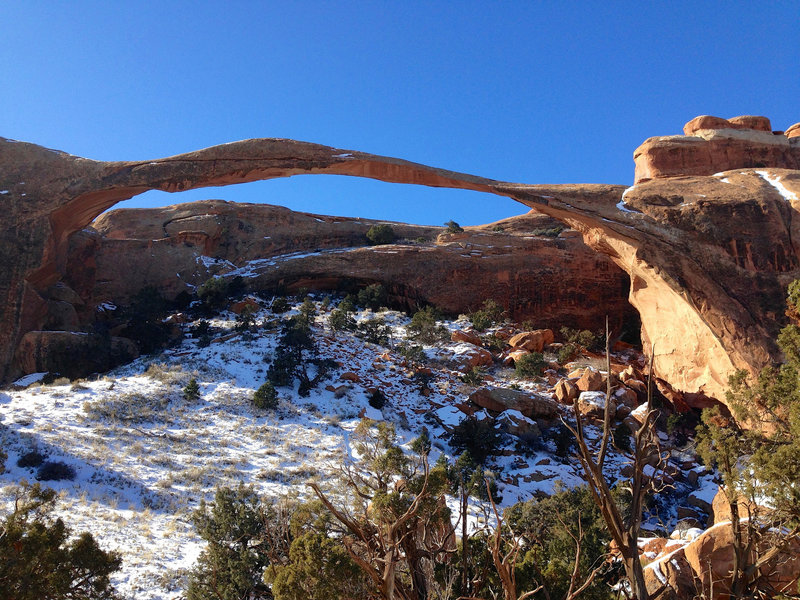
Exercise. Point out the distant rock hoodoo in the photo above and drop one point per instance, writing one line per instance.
(707, 236)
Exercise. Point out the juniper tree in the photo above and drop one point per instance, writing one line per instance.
(41, 559)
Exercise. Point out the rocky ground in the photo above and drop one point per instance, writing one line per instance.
(143, 456)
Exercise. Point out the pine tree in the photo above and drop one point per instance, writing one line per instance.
(40, 559)
(232, 565)
(192, 391)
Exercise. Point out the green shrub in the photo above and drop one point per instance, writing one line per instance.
(490, 314)
(373, 296)
(340, 320)
(374, 330)
(380, 234)
(377, 399)
(424, 328)
(473, 377)
(584, 338)
(192, 390)
(549, 527)
(567, 353)
(246, 320)
(55, 470)
(548, 231)
(622, 437)
(412, 352)
(480, 438)
(31, 460)
(232, 564)
(308, 311)
(280, 304)
(265, 397)
(453, 227)
(41, 558)
(214, 292)
(530, 365)
(318, 568)
(348, 304)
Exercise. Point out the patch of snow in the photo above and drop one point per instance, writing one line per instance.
(597, 399)
(776, 183)
(106, 306)
(343, 155)
(4, 191)
(621, 206)
(29, 379)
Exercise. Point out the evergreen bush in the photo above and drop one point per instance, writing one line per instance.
(265, 397)
(41, 559)
(453, 227)
(192, 390)
(480, 438)
(530, 365)
(489, 314)
(380, 234)
(55, 470)
(232, 565)
(424, 328)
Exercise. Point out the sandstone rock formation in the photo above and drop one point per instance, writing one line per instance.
(711, 145)
(709, 257)
(553, 280)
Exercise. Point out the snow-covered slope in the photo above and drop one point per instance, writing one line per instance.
(144, 456)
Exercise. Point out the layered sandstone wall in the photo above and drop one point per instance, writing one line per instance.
(553, 279)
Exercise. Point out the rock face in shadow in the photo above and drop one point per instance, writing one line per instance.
(554, 279)
(708, 257)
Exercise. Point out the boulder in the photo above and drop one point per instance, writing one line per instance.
(721, 508)
(751, 122)
(248, 304)
(565, 392)
(670, 577)
(713, 145)
(701, 501)
(511, 358)
(530, 405)
(532, 341)
(518, 425)
(593, 405)
(480, 357)
(626, 397)
(467, 336)
(793, 131)
(705, 122)
(710, 556)
(590, 381)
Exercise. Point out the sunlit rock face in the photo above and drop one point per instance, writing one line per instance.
(711, 145)
(708, 257)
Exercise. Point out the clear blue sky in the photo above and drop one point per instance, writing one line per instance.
(534, 92)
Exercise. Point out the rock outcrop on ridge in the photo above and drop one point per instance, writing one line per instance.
(709, 257)
(711, 145)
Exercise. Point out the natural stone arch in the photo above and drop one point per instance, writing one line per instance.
(701, 325)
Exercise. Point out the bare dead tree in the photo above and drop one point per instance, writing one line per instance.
(396, 531)
(624, 531)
